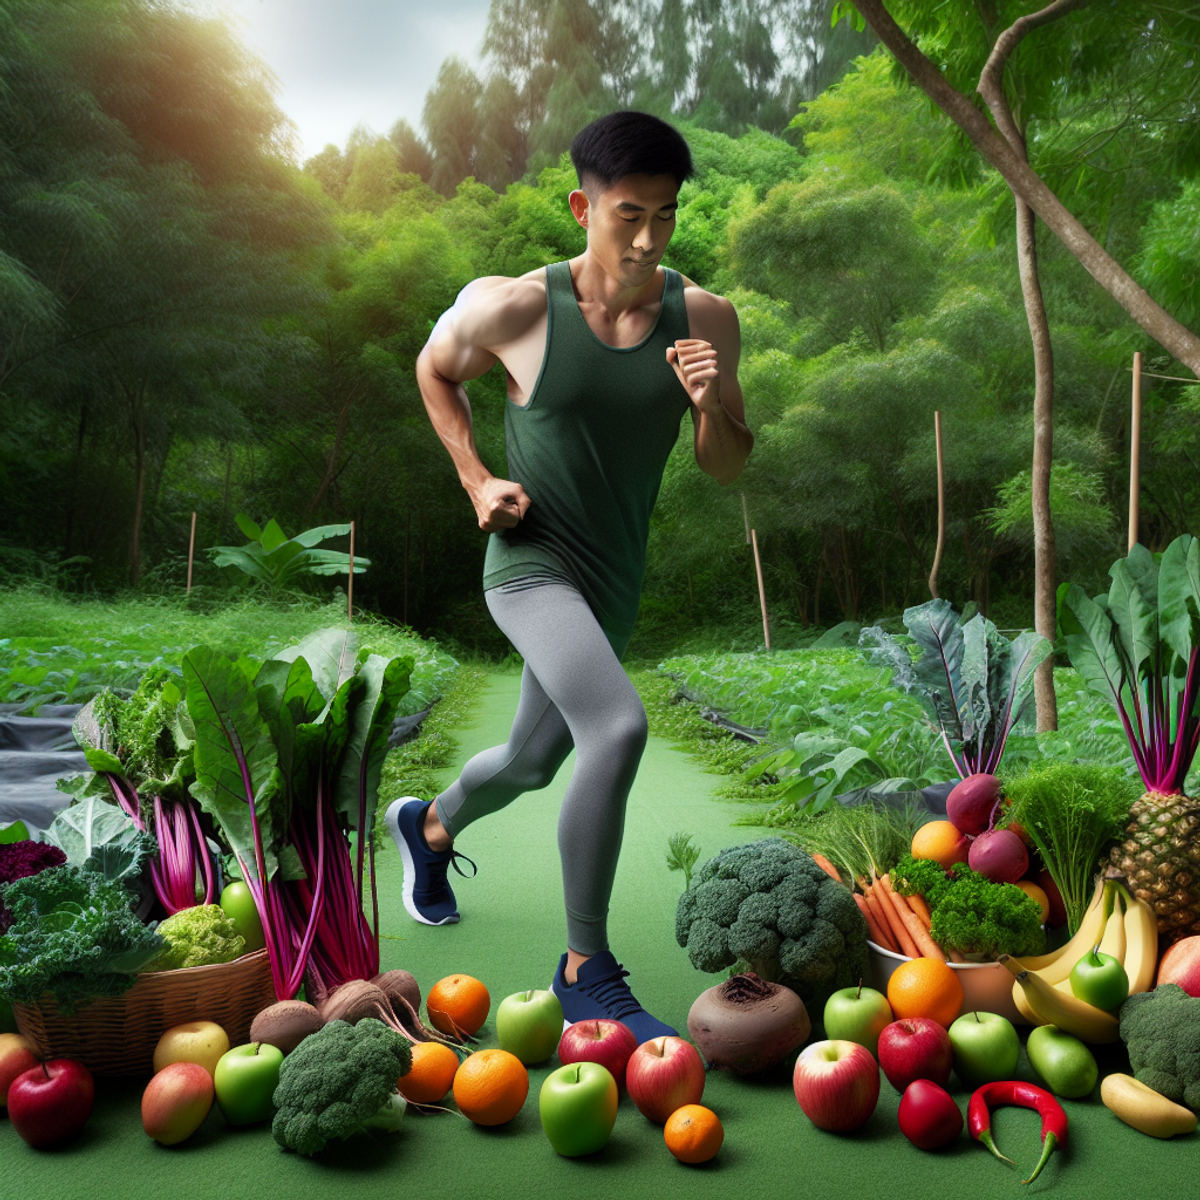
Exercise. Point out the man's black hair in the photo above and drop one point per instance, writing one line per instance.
(629, 143)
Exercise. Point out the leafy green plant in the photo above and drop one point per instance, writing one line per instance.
(279, 562)
(974, 682)
(1139, 647)
(1071, 811)
(682, 855)
(863, 841)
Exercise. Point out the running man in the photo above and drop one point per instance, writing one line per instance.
(603, 353)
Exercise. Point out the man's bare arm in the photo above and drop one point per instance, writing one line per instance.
(707, 366)
(457, 352)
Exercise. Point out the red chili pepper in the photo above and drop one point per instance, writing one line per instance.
(1023, 1095)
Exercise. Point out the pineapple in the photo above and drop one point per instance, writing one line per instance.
(1160, 857)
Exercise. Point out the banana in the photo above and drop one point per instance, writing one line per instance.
(1053, 1007)
(1141, 943)
(1113, 941)
(1057, 965)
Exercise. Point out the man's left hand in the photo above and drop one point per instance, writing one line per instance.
(695, 364)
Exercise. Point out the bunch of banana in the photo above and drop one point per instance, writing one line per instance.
(1120, 925)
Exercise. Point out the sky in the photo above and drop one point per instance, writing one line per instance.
(345, 62)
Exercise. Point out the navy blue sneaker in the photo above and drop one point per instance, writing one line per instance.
(427, 895)
(600, 990)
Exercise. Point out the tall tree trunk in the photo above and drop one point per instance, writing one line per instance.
(1045, 558)
(335, 452)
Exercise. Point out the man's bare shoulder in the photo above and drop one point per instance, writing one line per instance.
(496, 310)
(708, 313)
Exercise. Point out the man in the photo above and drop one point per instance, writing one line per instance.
(604, 354)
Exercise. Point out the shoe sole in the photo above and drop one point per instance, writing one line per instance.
(392, 820)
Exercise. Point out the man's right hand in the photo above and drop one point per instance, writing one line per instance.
(499, 504)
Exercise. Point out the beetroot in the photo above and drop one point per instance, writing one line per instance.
(972, 801)
(999, 855)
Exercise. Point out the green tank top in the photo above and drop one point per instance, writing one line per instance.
(589, 448)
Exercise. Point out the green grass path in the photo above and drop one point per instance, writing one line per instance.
(510, 936)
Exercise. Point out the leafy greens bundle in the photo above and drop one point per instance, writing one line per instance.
(973, 681)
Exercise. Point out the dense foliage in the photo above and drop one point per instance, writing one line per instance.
(190, 322)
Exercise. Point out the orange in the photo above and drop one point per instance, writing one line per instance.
(925, 987)
(1039, 894)
(458, 1005)
(693, 1133)
(491, 1086)
(431, 1075)
(942, 842)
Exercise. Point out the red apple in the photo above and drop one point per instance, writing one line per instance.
(1181, 965)
(928, 1116)
(664, 1074)
(50, 1103)
(915, 1048)
(176, 1101)
(17, 1055)
(609, 1043)
(836, 1084)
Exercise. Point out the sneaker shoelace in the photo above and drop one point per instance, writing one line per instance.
(612, 993)
(437, 874)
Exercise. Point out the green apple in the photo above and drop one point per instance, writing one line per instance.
(238, 905)
(1064, 1063)
(986, 1048)
(1100, 979)
(529, 1024)
(245, 1080)
(857, 1014)
(578, 1104)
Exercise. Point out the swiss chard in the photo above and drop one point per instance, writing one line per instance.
(974, 682)
(1139, 647)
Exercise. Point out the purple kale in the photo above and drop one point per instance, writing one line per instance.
(18, 860)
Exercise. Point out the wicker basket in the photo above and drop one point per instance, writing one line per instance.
(117, 1036)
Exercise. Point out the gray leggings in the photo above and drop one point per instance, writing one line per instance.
(574, 692)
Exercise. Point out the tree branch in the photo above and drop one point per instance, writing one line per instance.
(991, 78)
(1026, 183)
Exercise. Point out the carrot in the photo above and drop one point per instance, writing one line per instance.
(955, 956)
(827, 866)
(885, 930)
(918, 905)
(925, 944)
(872, 929)
(903, 937)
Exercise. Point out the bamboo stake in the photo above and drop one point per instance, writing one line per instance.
(746, 518)
(1135, 449)
(941, 486)
(762, 594)
(350, 581)
(191, 553)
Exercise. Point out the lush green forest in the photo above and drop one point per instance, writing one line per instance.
(192, 320)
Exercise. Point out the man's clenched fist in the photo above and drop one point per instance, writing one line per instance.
(499, 504)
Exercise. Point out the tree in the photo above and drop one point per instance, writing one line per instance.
(1012, 94)
(1155, 320)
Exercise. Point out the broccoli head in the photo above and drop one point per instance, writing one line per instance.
(338, 1082)
(1161, 1031)
(197, 937)
(767, 907)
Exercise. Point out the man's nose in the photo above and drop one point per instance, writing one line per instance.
(644, 240)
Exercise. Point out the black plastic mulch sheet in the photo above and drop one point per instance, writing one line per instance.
(35, 752)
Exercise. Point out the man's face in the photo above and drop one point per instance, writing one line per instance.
(629, 224)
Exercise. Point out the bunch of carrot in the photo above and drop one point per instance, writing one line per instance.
(899, 923)
(894, 922)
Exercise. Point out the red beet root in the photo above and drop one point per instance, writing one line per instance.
(999, 855)
(972, 801)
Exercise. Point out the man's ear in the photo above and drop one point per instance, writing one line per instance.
(578, 201)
